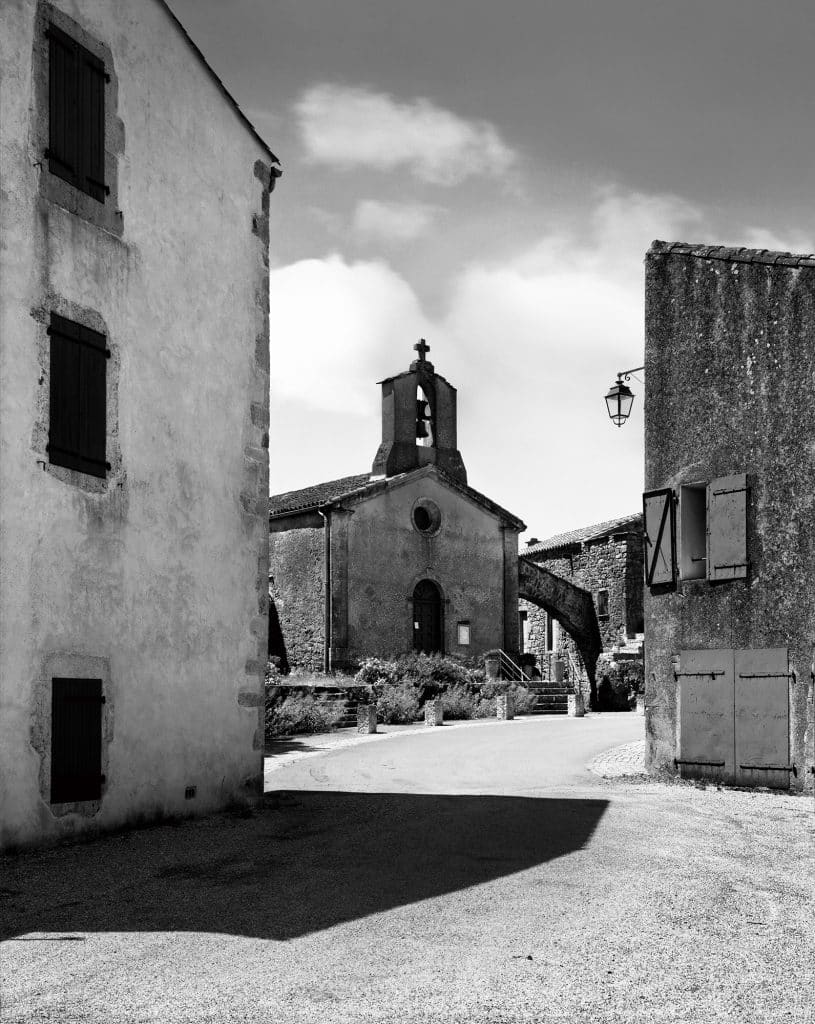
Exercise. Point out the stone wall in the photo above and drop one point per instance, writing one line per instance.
(730, 365)
(613, 563)
(297, 590)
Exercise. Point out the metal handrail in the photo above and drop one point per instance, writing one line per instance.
(515, 671)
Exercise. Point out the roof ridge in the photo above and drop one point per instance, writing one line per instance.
(576, 536)
(731, 254)
(219, 82)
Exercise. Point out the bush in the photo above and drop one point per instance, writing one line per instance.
(619, 681)
(459, 702)
(292, 713)
(396, 704)
(401, 685)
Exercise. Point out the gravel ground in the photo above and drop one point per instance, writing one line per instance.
(382, 899)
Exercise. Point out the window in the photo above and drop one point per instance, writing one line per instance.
(711, 539)
(464, 634)
(78, 400)
(76, 121)
(602, 604)
(76, 740)
(426, 516)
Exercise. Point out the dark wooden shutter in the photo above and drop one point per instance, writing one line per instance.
(76, 740)
(727, 528)
(659, 523)
(77, 437)
(76, 144)
(63, 91)
(92, 125)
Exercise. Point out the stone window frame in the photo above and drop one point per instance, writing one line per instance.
(92, 319)
(69, 664)
(52, 188)
(434, 513)
(603, 616)
(461, 626)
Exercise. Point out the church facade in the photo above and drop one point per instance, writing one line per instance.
(406, 557)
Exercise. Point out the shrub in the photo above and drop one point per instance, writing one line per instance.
(397, 703)
(459, 702)
(290, 713)
(618, 682)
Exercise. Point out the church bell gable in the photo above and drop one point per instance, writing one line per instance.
(418, 422)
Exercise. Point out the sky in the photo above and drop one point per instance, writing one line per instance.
(489, 177)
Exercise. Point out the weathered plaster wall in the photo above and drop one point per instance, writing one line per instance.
(159, 572)
(730, 365)
(297, 585)
(387, 556)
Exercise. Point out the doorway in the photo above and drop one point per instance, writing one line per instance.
(427, 621)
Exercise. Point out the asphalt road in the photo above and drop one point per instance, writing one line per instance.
(475, 874)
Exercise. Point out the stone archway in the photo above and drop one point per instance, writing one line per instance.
(573, 608)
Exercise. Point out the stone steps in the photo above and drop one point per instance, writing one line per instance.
(550, 699)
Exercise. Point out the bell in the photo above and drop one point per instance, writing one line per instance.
(422, 410)
(421, 429)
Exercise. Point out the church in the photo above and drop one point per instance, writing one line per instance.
(407, 557)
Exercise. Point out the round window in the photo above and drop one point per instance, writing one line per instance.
(426, 516)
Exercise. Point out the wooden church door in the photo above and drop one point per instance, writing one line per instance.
(427, 635)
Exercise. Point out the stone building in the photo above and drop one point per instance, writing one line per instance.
(729, 524)
(405, 557)
(134, 377)
(606, 561)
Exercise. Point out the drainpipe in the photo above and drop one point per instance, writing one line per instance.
(327, 602)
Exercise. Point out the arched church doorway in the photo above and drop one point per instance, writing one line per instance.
(427, 625)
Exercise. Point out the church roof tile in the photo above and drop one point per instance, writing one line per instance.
(316, 495)
(320, 495)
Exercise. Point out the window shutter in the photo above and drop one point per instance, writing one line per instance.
(77, 436)
(92, 125)
(727, 528)
(76, 740)
(660, 543)
(63, 90)
(76, 144)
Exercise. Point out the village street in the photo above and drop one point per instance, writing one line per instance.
(469, 873)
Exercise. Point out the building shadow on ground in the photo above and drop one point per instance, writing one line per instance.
(304, 862)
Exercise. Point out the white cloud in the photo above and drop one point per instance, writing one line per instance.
(347, 126)
(336, 328)
(393, 222)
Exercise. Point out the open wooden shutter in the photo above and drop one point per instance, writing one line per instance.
(660, 544)
(63, 91)
(76, 740)
(727, 528)
(77, 437)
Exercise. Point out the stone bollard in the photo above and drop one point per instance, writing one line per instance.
(504, 707)
(575, 706)
(640, 703)
(366, 718)
(433, 713)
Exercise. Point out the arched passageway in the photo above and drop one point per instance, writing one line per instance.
(573, 608)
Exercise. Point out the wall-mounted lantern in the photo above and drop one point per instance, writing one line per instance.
(620, 397)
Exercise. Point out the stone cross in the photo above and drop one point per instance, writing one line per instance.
(422, 348)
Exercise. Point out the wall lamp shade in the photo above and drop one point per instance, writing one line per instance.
(619, 400)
